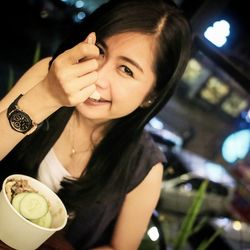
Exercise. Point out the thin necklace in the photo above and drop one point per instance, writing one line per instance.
(74, 151)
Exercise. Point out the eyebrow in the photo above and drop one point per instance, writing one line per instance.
(131, 61)
(124, 58)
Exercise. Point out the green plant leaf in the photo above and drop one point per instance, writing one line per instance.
(198, 227)
(206, 243)
(10, 81)
(188, 222)
(37, 54)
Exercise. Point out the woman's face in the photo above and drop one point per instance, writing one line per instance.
(125, 76)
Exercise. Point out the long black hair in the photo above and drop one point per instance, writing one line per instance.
(113, 160)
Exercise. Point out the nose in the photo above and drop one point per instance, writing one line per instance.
(103, 80)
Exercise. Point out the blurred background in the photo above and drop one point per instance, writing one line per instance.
(204, 130)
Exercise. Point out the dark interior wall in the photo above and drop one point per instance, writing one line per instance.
(23, 28)
(202, 131)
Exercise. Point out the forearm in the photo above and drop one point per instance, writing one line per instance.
(37, 104)
(103, 248)
(9, 138)
(46, 91)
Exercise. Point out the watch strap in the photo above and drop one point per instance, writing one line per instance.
(13, 106)
(13, 109)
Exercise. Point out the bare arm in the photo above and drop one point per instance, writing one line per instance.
(68, 83)
(136, 212)
(9, 138)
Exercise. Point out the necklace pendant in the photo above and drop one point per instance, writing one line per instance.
(73, 152)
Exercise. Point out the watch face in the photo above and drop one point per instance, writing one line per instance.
(20, 121)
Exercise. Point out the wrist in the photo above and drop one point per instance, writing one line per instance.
(38, 103)
(19, 120)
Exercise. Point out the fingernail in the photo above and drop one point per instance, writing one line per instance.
(91, 38)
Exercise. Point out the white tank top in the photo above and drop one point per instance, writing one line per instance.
(51, 171)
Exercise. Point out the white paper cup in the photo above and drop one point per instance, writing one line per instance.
(18, 232)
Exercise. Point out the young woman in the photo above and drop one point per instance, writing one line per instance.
(76, 121)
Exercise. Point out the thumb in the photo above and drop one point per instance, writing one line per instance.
(91, 38)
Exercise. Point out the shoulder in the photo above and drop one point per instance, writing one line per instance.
(147, 155)
(150, 153)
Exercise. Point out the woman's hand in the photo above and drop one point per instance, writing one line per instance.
(72, 76)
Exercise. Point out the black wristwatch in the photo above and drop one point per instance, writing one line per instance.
(19, 120)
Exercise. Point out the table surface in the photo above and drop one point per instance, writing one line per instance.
(55, 242)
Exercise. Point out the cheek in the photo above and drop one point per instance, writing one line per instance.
(128, 98)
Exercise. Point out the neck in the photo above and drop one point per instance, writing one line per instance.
(88, 128)
(83, 134)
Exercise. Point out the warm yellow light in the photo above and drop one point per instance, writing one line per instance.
(237, 225)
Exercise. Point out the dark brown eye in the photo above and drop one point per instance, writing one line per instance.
(127, 70)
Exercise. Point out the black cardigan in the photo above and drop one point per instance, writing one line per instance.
(95, 226)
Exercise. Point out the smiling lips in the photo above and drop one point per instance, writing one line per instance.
(101, 100)
(96, 98)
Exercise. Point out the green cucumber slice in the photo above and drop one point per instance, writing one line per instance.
(17, 199)
(44, 221)
(33, 206)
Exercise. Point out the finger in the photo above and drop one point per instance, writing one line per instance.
(91, 38)
(80, 51)
(81, 82)
(83, 95)
(84, 67)
(79, 69)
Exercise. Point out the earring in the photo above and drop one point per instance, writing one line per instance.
(146, 104)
